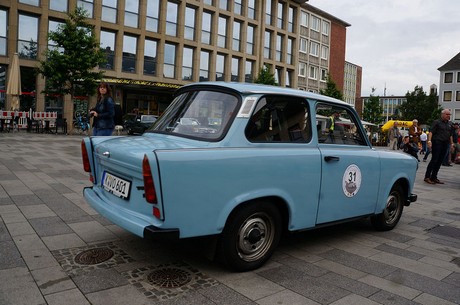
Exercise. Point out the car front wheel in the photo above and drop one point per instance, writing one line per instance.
(250, 236)
(392, 212)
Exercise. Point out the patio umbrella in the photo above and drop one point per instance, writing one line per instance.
(13, 86)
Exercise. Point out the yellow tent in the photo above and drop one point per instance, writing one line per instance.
(390, 124)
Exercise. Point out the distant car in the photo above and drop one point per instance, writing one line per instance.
(141, 123)
(128, 120)
(244, 163)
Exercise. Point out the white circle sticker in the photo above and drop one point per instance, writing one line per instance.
(351, 181)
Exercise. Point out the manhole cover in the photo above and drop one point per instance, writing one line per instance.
(169, 277)
(93, 256)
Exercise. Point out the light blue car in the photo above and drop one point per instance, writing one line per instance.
(245, 163)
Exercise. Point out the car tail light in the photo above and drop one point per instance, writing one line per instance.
(85, 158)
(149, 187)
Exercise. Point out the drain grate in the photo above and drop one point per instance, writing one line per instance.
(169, 277)
(94, 256)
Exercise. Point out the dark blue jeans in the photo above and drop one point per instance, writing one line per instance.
(102, 131)
(438, 152)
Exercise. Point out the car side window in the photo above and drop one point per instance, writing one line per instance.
(279, 119)
(337, 125)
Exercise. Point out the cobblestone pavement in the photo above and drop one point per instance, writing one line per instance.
(55, 249)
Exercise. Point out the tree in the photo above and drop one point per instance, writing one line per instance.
(372, 109)
(331, 89)
(69, 65)
(266, 77)
(419, 106)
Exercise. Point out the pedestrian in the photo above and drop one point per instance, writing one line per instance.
(103, 113)
(410, 147)
(334, 129)
(393, 135)
(438, 140)
(415, 132)
(423, 139)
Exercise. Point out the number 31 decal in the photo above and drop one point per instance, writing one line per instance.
(351, 181)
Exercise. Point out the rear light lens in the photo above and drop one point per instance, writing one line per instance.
(84, 155)
(149, 187)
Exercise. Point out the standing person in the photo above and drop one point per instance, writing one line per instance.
(331, 127)
(410, 148)
(423, 139)
(393, 135)
(104, 112)
(438, 140)
(415, 132)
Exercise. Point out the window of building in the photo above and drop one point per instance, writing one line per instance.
(28, 36)
(249, 71)
(268, 11)
(238, 7)
(289, 52)
(128, 63)
(3, 38)
(267, 44)
(280, 21)
(189, 30)
(204, 66)
(303, 45)
(87, 5)
(304, 19)
(187, 64)
(109, 11)
(208, 2)
(132, 13)
(325, 27)
(108, 45)
(313, 72)
(278, 75)
(448, 77)
(222, 33)
(458, 77)
(235, 69)
(30, 2)
(291, 19)
(252, 9)
(315, 23)
(250, 40)
(220, 67)
(171, 19)
(323, 75)
(324, 52)
(153, 14)
(457, 96)
(236, 45)
(314, 48)
(456, 114)
(447, 96)
(169, 66)
(53, 26)
(58, 5)
(279, 47)
(302, 69)
(150, 57)
(223, 5)
(206, 28)
(288, 78)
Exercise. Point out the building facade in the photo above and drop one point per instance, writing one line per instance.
(449, 87)
(390, 105)
(155, 46)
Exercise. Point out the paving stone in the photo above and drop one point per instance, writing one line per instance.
(4, 235)
(286, 297)
(9, 256)
(69, 297)
(387, 298)
(221, 294)
(129, 295)
(52, 279)
(18, 288)
(31, 199)
(303, 266)
(453, 279)
(99, 279)
(49, 226)
(400, 252)
(356, 287)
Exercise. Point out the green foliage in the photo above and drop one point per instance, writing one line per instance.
(331, 89)
(373, 110)
(420, 106)
(265, 76)
(69, 66)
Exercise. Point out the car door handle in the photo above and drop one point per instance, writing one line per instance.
(331, 158)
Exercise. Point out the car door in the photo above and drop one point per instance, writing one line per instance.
(350, 170)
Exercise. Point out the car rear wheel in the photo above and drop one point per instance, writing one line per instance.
(250, 236)
(392, 212)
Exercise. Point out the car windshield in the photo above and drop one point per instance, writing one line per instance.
(199, 114)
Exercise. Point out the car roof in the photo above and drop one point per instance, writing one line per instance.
(248, 88)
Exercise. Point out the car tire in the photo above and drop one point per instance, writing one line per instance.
(250, 236)
(393, 210)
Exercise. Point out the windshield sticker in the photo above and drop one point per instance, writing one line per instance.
(351, 180)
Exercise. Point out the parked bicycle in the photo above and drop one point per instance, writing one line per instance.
(81, 123)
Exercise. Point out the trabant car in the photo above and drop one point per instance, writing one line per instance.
(244, 163)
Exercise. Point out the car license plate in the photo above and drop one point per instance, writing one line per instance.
(115, 185)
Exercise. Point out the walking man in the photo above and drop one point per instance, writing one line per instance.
(393, 136)
(438, 142)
